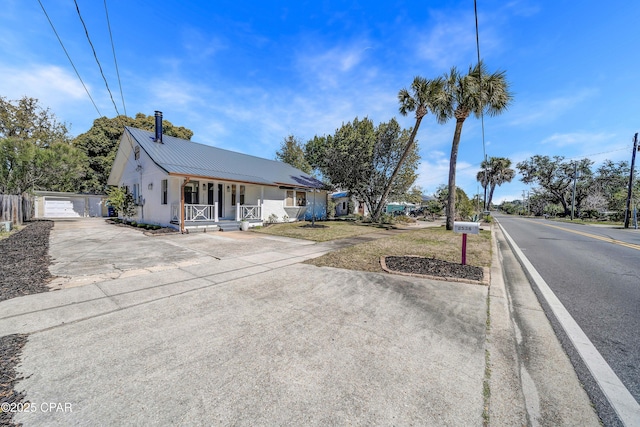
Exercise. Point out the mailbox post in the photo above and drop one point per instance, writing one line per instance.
(465, 228)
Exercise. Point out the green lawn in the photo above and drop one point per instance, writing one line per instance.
(328, 230)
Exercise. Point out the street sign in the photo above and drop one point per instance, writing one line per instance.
(466, 227)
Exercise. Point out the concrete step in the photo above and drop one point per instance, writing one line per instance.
(229, 226)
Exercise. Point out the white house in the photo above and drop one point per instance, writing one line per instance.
(342, 199)
(188, 185)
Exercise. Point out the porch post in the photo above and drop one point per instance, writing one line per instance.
(261, 203)
(215, 201)
(186, 181)
(237, 202)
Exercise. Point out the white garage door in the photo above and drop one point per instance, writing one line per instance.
(63, 207)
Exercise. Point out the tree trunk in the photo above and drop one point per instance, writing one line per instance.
(492, 189)
(376, 214)
(451, 197)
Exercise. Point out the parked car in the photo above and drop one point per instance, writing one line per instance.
(417, 212)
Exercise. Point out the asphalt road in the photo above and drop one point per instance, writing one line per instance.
(595, 272)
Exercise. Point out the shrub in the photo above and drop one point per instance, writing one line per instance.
(405, 219)
(331, 209)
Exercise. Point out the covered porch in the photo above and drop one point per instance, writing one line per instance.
(213, 205)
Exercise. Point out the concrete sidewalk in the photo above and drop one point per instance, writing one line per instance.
(219, 329)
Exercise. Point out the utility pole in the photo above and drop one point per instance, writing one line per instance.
(633, 162)
(524, 205)
(573, 196)
(486, 184)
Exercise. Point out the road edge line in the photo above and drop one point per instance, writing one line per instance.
(626, 407)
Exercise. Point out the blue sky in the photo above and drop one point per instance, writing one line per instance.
(244, 75)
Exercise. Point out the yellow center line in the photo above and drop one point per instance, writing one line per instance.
(593, 236)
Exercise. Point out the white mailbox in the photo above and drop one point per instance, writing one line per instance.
(466, 227)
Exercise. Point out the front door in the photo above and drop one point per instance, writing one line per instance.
(220, 198)
(210, 193)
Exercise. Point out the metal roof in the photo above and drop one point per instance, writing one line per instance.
(182, 157)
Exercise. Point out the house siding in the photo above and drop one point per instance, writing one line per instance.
(151, 211)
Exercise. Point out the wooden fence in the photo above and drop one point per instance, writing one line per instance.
(16, 209)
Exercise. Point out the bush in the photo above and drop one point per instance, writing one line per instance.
(386, 218)
(331, 209)
(405, 219)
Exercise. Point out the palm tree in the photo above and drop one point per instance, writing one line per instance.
(479, 93)
(425, 95)
(496, 171)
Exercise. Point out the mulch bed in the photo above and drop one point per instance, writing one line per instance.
(10, 351)
(434, 268)
(24, 267)
(24, 270)
(162, 230)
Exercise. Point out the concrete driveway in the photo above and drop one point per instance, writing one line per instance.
(231, 329)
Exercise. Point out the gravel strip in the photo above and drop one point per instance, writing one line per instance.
(10, 351)
(433, 267)
(24, 261)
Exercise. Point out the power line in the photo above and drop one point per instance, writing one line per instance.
(113, 48)
(69, 58)
(95, 55)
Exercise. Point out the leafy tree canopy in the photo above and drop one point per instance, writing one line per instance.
(555, 175)
(35, 150)
(100, 144)
(292, 152)
(25, 120)
(361, 158)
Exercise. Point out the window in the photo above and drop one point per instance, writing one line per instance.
(163, 192)
(242, 194)
(136, 152)
(301, 198)
(344, 206)
(191, 193)
(233, 195)
(295, 198)
(136, 193)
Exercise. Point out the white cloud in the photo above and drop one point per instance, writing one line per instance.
(539, 112)
(582, 138)
(452, 39)
(51, 84)
(448, 42)
(329, 67)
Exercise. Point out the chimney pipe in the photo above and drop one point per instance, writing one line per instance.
(158, 127)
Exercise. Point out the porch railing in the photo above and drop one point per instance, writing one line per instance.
(199, 212)
(194, 212)
(209, 212)
(249, 212)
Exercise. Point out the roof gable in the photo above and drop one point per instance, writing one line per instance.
(182, 157)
